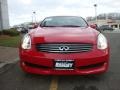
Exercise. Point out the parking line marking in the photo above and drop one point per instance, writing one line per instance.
(54, 83)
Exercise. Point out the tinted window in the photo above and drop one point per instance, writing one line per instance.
(64, 21)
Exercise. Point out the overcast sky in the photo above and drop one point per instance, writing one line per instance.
(21, 10)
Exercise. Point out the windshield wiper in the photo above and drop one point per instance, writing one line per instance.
(70, 26)
(64, 26)
(49, 26)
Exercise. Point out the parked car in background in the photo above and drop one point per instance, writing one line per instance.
(22, 29)
(26, 28)
(64, 45)
(105, 27)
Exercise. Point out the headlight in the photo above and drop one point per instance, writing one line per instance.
(26, 43)
(102, 42)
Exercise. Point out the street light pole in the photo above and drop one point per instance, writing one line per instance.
(95, 5)
(34, 17)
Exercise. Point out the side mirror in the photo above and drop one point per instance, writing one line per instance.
(94, 26)
(35, 26)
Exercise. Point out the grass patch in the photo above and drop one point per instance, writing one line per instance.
(10, 32)
(9, 41)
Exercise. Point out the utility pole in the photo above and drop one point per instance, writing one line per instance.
(34, 17)
(95, 6)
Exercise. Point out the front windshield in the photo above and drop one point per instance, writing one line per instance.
(64, 21)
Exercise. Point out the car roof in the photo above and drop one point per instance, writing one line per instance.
(63, 16)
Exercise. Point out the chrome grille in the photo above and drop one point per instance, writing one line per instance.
(64, 47)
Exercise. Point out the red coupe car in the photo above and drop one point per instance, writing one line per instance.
(64, 45)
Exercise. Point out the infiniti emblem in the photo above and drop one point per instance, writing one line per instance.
(63, 48)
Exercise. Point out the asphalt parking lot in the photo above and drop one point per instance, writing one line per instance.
(12, 77)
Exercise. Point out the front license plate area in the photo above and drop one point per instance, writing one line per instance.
(64, 64)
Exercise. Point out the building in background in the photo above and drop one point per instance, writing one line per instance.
(111, 19)
(4, 18)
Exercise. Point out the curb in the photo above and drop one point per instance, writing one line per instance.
(2, 64)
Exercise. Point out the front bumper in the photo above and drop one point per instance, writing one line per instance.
(93, 62)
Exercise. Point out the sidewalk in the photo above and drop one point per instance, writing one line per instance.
(8, 54)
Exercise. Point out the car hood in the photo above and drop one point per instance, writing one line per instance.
(64, 34)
